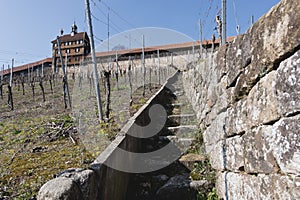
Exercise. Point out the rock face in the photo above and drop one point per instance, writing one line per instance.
(247, 101)
(60, 189)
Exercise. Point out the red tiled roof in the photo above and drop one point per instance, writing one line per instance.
(69, 37)
(26, 66)
(162, 47)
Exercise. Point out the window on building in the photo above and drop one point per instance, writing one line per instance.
(70, 43)
(77, 50)
(67, 50)
(81, 41)
(77, 41)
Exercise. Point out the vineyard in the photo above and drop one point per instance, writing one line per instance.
(41, 135)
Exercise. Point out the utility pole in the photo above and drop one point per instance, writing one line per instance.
(200, 36)
(96, 81)
(223, 22)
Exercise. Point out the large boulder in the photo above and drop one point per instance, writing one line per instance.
(60, 188)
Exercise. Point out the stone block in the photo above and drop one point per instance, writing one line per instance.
(234, 151)
(215, 132)
(284, 140)
(258, 153)
(216, 155)
(287, 85)
(245, 186)
(275, 34)
(237, 120)
(237, 58)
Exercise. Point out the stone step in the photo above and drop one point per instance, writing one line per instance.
(179, 93)
(182, 129)
(199, 185)
(176, 104)
(181, 143)
(182, 119)
(190, 159)
(175, 138)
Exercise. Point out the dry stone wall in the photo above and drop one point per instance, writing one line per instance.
(247, 99)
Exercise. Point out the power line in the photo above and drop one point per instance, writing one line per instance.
(119, 16)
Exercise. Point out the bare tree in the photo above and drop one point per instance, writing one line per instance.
(10, 96)
(32, 84)
(65, 79)
(51, 77)
(107, 85)
(42, 87)
(23, 83)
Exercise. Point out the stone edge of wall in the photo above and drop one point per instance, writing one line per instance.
(98, 180)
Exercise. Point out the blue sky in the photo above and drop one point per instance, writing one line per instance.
(27, 27)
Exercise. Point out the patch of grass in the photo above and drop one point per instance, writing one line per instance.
(212, 195)
(197, 145)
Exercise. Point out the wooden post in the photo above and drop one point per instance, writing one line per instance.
(188, 59)
(213, 43)
(143, 64)
(200, 37)
(32, 83)
(66, 65)
(1, 82)
(43, 70)
(130, 78)
(28, 75)
(23, 83)
(107, 102)
(193, 53)
(117, 70)
(158, 65)
(41, 83)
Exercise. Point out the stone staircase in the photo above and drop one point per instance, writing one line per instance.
(174, 181)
